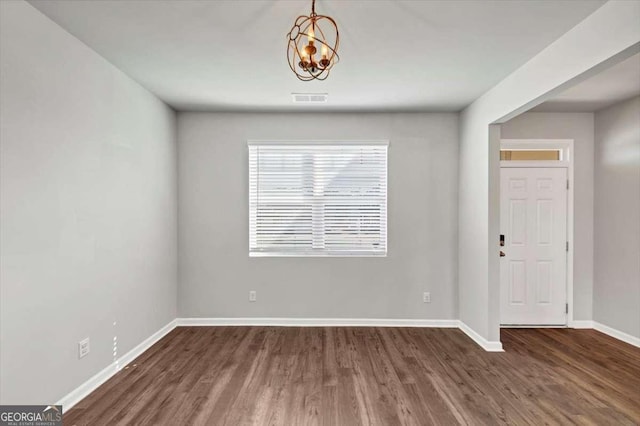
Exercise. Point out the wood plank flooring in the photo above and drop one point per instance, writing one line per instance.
(370, 376)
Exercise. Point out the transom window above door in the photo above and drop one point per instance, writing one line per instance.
(530, 155)
(318, 198)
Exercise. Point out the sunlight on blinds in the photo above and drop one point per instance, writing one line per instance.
(324, 199)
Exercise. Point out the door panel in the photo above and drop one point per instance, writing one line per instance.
(518, 283)
(544, 222)
(533, 220)
(518, 221)
(544, 281)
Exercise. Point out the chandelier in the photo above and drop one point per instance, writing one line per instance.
(306, 36)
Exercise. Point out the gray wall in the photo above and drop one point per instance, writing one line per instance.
(576, 55)
(579, 127)
(616, 301)
(88, 210)
(216, 272)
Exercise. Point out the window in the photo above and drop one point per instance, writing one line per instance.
(530, 155)
(318, 199)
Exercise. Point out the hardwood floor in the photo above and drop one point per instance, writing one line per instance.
(377, 376)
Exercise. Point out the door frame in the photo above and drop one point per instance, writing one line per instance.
(567, 154)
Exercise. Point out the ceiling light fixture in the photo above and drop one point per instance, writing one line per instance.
(306, 34)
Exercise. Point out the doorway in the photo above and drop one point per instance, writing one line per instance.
(536, 209)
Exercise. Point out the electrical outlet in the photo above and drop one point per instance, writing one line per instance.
(426, 297)
(252, 296)
(83, 348)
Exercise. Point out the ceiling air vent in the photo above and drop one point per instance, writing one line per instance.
(309, 98)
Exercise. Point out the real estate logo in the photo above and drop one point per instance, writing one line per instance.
(30, 415)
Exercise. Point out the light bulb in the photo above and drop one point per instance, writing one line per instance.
(311, 36)
(325, 51)
(304, 59)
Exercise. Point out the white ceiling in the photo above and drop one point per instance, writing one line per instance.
(613, 85)
(395, 55)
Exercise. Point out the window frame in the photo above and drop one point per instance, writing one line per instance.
(320, 253)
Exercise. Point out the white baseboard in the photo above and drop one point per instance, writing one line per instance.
(342, 322)
(485, 344)
(317, 322)
(617, 334)
(92, 384)
(532, 326)
(580, 324)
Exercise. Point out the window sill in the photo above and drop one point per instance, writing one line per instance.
(316, 254)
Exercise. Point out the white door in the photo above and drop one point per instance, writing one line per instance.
(533, 221)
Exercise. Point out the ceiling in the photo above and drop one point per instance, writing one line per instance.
(395, 55)
(613, 85)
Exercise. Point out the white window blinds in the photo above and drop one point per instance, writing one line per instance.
(322, 199)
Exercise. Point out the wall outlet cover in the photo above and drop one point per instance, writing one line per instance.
(83, 348)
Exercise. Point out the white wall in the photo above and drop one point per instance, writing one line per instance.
(216, 272)
(616, 301)
(579, 127)
(578, 54)
(88, 210)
